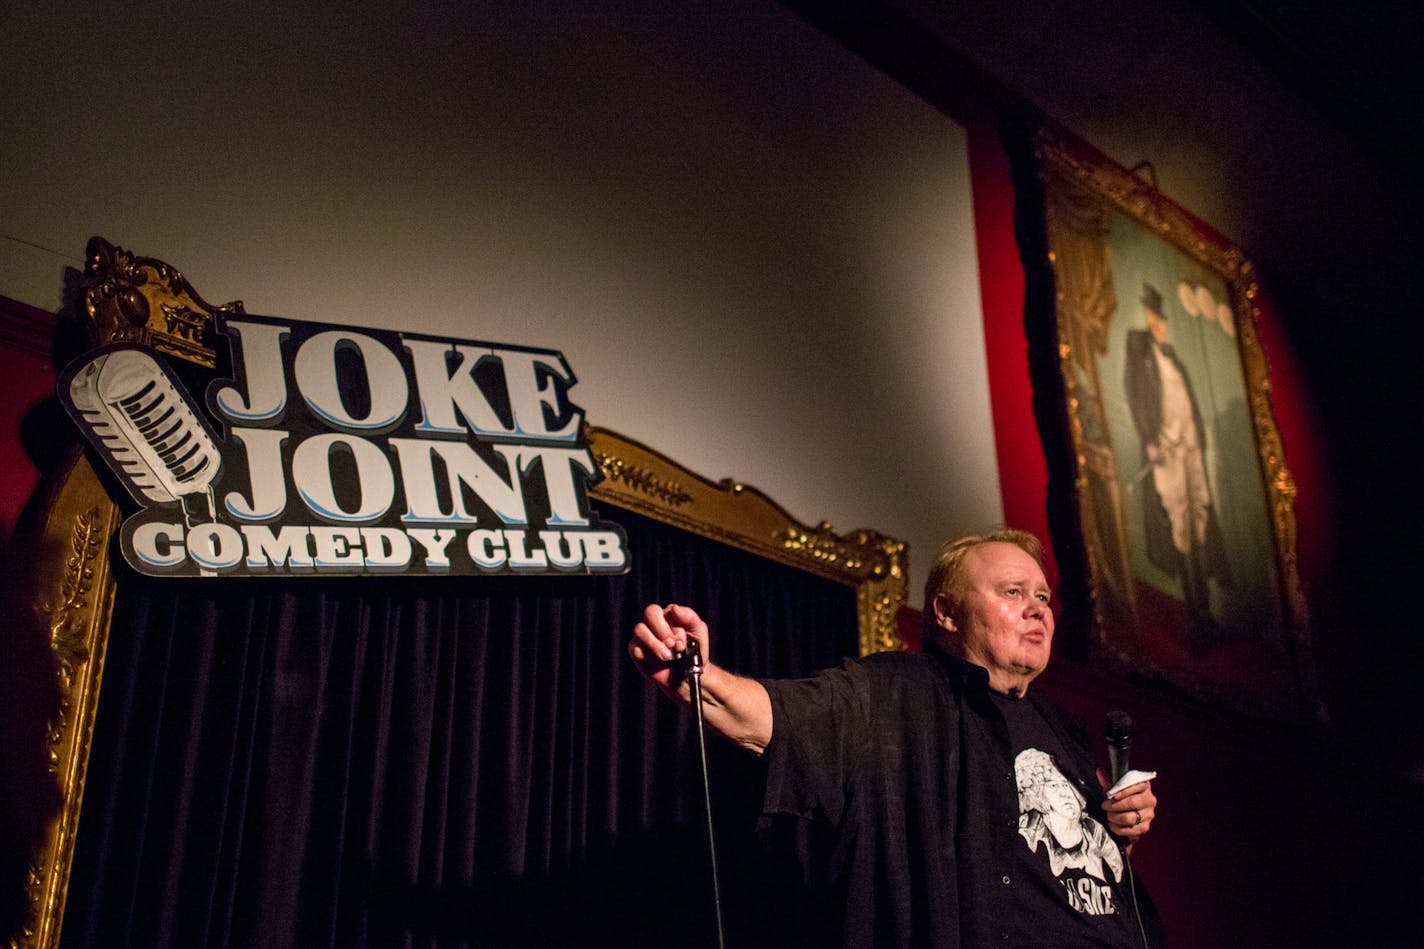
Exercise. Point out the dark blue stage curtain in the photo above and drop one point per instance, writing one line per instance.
(442, 762)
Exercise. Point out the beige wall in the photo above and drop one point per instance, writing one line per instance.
(755, 251)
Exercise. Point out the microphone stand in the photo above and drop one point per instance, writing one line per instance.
(693, 658)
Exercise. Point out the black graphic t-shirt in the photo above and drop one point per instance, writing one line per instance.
(1072, 872)
(899, 770)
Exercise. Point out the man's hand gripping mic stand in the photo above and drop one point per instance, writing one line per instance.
(691, 659)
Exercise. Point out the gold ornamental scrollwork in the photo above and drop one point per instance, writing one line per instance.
(68, 614)
(144, 300)
(75, 593)
(878, 563)
(642, 480)
(823, 544)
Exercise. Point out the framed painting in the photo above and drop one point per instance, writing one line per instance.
(1180, 492)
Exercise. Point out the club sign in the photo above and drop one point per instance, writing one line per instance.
(342, 450)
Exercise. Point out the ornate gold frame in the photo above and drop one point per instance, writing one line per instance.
(1081, 189)
(145, 300)
(640, 479)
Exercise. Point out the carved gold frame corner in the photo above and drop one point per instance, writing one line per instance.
(640, 479)
(142, 299)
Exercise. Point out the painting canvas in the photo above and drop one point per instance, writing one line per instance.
(1183, 498)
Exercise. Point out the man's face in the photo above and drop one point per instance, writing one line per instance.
(1157, 326)
(1004, 622)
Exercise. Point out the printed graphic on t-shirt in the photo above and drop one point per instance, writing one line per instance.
(1054, 821)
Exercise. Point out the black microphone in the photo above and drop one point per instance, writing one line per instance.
(1118, 731)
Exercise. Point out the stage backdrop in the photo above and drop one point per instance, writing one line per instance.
(415, 762)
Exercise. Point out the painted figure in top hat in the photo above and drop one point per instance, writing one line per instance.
(1179, 520)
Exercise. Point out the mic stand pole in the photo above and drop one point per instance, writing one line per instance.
(694, 676)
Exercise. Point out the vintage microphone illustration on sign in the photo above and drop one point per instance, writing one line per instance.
(438, 468)
(137, 416)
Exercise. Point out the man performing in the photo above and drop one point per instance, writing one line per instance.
(1183, 538)
(962, 811)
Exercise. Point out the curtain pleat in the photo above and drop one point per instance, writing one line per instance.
(442, 762)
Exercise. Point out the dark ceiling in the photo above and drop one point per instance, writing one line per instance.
(1360, 64)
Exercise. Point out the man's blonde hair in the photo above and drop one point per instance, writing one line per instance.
(947, 571)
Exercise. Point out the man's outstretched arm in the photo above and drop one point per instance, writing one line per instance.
(734, 706)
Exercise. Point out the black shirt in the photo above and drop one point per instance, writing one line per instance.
(1070, 871)
(908, 764)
